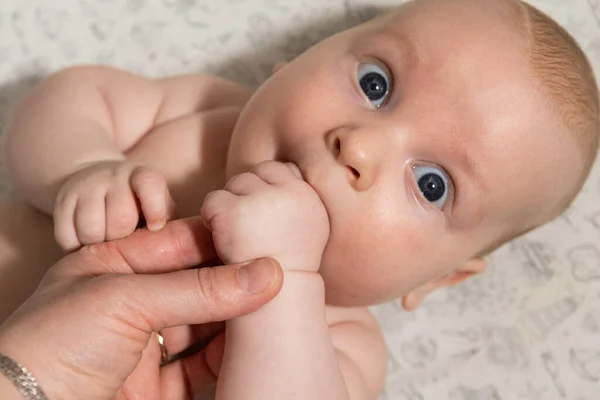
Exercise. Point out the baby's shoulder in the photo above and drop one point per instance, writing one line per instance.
(209, 91)
(359, 342)
(355, 322)
(336, 315)
(353, 318)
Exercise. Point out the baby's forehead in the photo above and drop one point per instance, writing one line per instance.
(466, 49)
(453, 31)
(484, 15)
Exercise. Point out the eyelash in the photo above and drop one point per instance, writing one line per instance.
(384, 66)
(391, 90)
(418, 195)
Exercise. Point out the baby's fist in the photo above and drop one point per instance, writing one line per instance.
(102, 202)
(268, 212)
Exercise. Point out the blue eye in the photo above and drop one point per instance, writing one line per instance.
(375, 82)
(433, 183)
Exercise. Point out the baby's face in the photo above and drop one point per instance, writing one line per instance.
(425, 137)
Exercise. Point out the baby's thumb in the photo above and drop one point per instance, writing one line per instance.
(205, 295)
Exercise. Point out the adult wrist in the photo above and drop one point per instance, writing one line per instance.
(8, 391)
(17, 382)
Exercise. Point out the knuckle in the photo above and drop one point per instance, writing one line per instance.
(212, 203)
(124, 167)
(267, 164)
(209, 199)
(260, 167)
(61, 196)
(90, 236)
(122, 224)
(147, 176)
(209, 290)
(266, 167)
(90, 230)
(65, 242)
(237, 180)
(96, 176)
(91, 217)
(64, 204)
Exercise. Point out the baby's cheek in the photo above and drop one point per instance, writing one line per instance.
(214, 354)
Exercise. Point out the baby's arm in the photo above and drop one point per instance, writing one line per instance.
(360, 347)
(66, 147)
(91, 114)
(287, 349)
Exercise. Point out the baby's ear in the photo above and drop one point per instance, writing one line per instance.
(278, 65)
(413, 300)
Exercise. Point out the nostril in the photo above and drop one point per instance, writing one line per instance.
(337, 146)
(354, 172)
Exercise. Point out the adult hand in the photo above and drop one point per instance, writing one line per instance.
(86, 333)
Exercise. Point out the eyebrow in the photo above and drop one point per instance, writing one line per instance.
(471, 213)
(405, 46)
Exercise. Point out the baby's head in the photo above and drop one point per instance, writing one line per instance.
(432, 134)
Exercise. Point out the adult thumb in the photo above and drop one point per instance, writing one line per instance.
(200, 296)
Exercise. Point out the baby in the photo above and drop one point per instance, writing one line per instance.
(382, 163)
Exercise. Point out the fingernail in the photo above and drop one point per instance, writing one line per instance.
(156, 226)
(257, 276)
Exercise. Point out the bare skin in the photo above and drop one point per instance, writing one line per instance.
(28, 249)
(188, 191)
(463, 107)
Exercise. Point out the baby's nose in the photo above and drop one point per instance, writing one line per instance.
(357, 153)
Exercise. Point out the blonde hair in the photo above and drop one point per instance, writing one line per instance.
(567, 77)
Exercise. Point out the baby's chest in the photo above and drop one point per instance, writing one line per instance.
(191, 151)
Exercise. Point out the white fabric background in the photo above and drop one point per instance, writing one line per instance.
(528, 329)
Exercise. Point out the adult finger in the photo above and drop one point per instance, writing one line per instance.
(180, 244)
(154, 302)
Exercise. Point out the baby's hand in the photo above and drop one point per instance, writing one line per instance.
(102, 202)
(268, 212)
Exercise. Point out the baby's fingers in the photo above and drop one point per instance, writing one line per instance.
(122, 213)
(216, 203)
(150, 187)
(245, 184)
(64, 223)
(90, 219)
(274, 172)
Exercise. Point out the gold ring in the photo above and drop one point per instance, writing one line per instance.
(164, 353)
